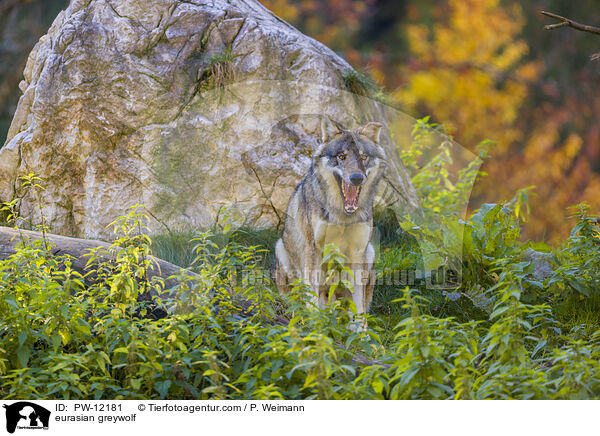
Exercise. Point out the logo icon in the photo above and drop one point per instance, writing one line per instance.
(26, 415)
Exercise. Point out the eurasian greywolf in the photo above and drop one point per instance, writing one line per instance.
(334, 204)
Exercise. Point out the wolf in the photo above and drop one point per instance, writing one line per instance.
(334, 204)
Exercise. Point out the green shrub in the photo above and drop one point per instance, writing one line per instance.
(504, 332)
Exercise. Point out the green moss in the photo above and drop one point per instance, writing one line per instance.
(178, 167)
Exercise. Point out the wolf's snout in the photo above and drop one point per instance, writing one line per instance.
(357, 179)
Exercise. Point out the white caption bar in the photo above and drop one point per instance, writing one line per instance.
(154, 417)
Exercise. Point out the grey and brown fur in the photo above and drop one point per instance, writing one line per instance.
(317, 214)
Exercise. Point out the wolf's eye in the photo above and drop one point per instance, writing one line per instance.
(341, 156)
(364, 156)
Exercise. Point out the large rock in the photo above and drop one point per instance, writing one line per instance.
(187, 107)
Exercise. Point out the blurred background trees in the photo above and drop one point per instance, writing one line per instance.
(484, 68)
(22, 23)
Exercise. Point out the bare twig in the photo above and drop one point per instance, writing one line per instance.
(566, 22)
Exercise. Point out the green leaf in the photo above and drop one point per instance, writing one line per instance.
(11, 301)
(136, 383)
(65, 336)
(538, 347)
(579, 287)
(498, 312)
(83, 327)
(22, 337)
(377, 386)
(23, 354)
(162, 387)
(408, 375)
(56, 340)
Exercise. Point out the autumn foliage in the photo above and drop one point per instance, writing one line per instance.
(486, 69)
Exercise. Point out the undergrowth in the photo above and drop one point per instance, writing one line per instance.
(522, 321)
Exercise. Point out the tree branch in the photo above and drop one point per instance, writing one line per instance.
(566, 22)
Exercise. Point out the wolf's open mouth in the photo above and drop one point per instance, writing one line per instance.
(350, 195)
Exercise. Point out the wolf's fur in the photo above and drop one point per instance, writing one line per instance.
(317, 214)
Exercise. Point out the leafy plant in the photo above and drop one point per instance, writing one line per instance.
(116, 333)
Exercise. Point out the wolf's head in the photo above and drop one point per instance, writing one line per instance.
(349, 165)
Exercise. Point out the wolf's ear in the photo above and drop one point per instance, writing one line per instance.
(330, 128)
(372, 131)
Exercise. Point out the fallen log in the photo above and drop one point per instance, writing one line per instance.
(79, 250)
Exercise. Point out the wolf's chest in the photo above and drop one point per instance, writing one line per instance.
(350, 239)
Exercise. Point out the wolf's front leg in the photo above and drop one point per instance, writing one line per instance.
(282, 268)
(358, 323)
(359, 288)
(369, 286)
(310, 275)
(321, 285)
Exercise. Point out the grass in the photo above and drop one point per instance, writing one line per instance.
(359, 83)
(577, 312)
(176, 248)
(220, 71)
(364, 85)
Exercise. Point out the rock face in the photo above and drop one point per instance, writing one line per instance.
(187, 107)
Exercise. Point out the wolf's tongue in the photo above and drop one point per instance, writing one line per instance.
(350, 197)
